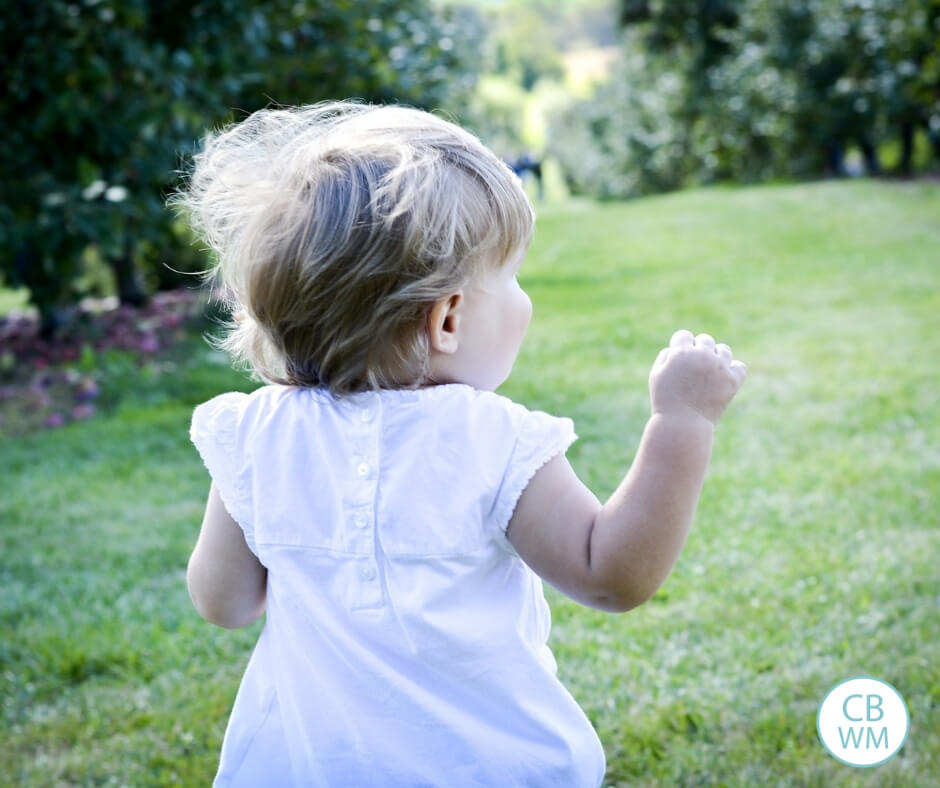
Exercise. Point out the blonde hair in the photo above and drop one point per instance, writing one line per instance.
(337, 226)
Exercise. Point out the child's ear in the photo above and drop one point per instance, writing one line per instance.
(444, 323)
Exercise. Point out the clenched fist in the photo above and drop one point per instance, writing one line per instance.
(694, 375)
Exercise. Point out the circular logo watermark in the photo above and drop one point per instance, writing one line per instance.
(862, 721)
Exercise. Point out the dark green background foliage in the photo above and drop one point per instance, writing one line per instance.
(105, 99)
(102, 97)
(713, 90)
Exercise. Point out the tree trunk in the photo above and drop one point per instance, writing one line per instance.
(870, 154)
(835, 160)
(934, 137)
(907, 147)
(48, 289)
(130, 289)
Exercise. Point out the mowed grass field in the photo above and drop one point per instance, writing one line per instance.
(814, 556)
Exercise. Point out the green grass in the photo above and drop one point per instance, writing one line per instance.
(814, 555)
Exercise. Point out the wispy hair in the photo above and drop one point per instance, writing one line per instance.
(335, 227)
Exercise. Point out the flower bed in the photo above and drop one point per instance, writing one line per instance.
(48, 383)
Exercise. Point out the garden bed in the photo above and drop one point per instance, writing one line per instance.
(92, 359)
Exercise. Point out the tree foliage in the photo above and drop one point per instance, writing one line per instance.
(713, 89)
(524, 44)
(103, 96)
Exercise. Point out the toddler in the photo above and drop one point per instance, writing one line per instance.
(392, 515)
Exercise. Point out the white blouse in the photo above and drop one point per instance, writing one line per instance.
(405, 642)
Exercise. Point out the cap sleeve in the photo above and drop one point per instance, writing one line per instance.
(214, 432)
(538, 438)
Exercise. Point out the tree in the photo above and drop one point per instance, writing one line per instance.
(523, 36)
(711, 90)
(103, 96)
(910, 80)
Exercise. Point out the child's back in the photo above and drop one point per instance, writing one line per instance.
(386, 509)
(405, 641)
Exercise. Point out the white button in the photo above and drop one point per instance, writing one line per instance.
(363, 469)
(367, 415)
(360, 521)
(368, 572)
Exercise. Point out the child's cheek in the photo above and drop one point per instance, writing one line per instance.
(526, 312)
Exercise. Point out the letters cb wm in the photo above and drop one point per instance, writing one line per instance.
(862, 721)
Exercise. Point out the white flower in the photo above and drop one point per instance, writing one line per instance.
(94, 190)
(115, 194)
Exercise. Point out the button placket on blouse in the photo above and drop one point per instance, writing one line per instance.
(358, 515)
(360, 535)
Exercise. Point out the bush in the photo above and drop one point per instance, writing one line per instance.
(103, 96)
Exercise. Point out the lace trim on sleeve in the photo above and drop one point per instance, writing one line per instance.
(214, 433)
(539, 438)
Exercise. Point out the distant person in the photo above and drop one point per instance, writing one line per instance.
(389, 512)
(527, 163)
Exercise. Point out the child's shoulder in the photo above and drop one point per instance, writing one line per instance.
(452, 404)
(484, 418)
(263, 398)
(223, 415)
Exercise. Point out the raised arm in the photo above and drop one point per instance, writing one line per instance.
(615, 556)
(227, 583)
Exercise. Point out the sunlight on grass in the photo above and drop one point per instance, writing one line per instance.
(813, 557)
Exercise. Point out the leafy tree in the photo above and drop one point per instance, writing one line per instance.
(831, 49)
(640, 127)
(701, 26)
(524, 41)
(627, 140)
(710, 89)
(495, 114)
(104, 95)
(861, 70)
(910, 79)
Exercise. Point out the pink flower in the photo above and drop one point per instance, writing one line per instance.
(84, 411)
(148, 344)
(87, 389)
(54, 420)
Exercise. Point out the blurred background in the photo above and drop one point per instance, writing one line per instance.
(105, 99)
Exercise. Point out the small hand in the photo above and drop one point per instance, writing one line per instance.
(695, 375)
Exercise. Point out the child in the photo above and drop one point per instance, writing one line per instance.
(390, 513)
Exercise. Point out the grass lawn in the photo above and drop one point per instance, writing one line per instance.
(814, 556)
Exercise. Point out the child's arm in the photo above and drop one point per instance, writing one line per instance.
(615, 556)
(226, 581)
